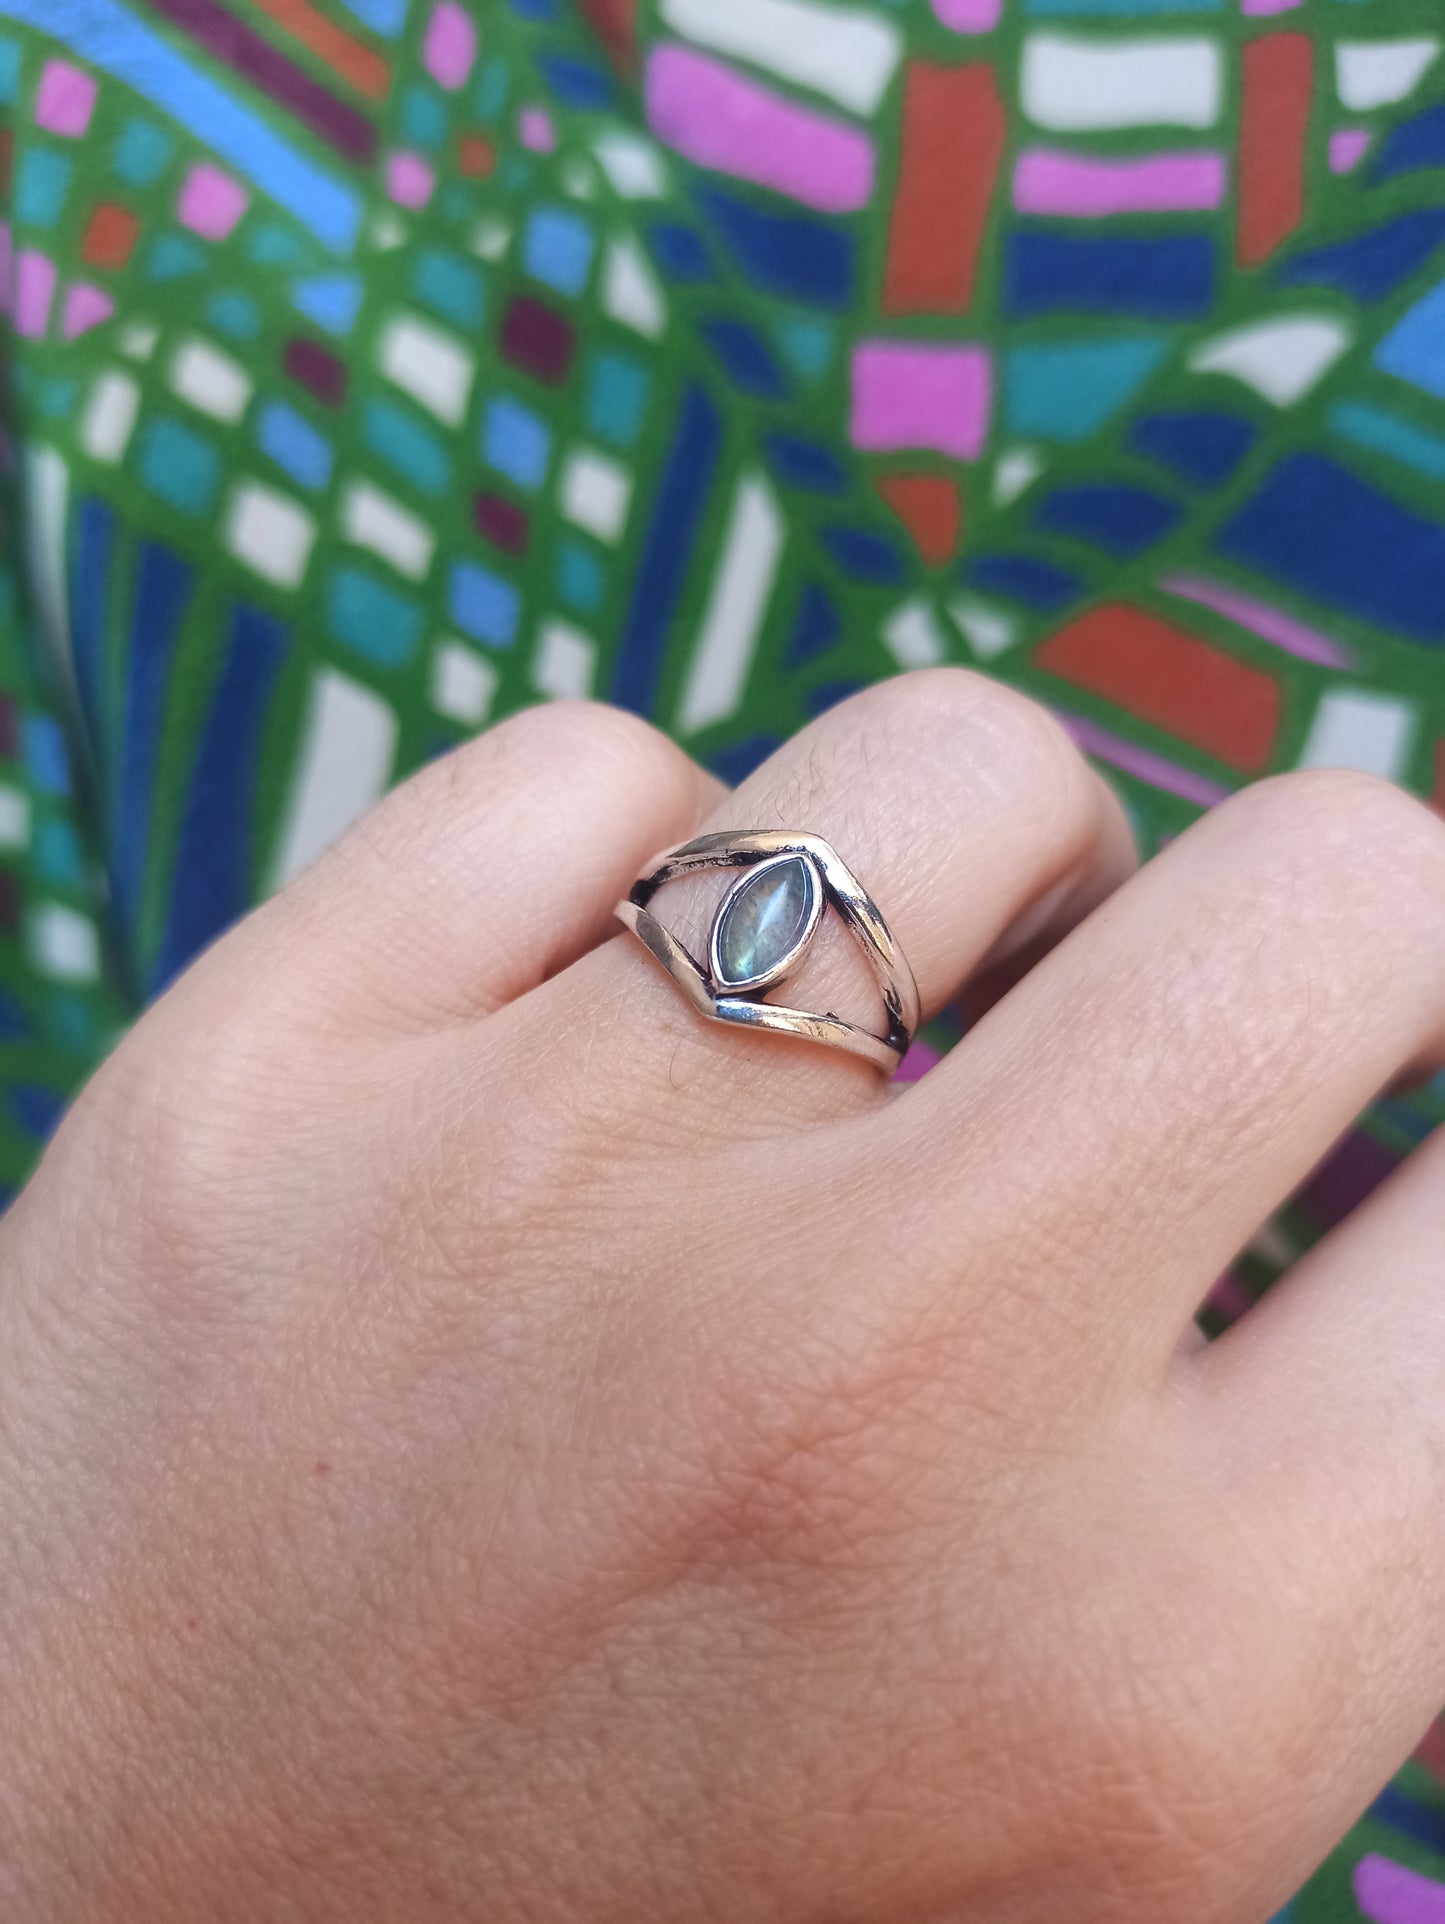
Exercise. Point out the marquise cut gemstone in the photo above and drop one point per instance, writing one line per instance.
(764, 919)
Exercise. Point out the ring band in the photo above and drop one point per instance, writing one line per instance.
(761, 931)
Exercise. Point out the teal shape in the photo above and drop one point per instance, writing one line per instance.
(406, 446)
(1067, 392)
(580, 579)
(450, 287)
(377, 621)
(42, 181)
(617, 392)
(179, 465)
(235, 314)
(173, 256)
(1385, 433)
(807, 346)
(141, 153)
(423, 117)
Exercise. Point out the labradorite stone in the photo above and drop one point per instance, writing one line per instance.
(762, 921)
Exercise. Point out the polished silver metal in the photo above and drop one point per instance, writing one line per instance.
(834, 884)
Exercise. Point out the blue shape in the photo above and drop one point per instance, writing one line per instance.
(1414, 349)
(1122, 520)
(423, 117)
(536, 9)
(745, 359)
(379, 622)
(816, 628)
(1410, 1817)
(1037, 584)
(141, 153)
(1385, 433)
(557, 248)
(405, 445)
(1166, 279)
(42, 181)
(1373, 264)
(110, 37)
(516, 442)
(805, 464)
(865, 556)
(89, 598)
(735, 762)
(46, 760)
(828, 694)
(1412, 146)
(1068, 392)
(667, 550)
(483, 605)
(785, 254)
(213, 877)
(162, 595)
(680, 252)
(1203, 449)
(1319, 528)
(617, 393)
(179, 465)
(37, 1110)
(386, 17)
(449, 287)
(332, 301)
(580, 578)
(234, 314)
(171, 257)
(296, 447)
(577, 83)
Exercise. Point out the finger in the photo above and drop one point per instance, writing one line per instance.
(1190, 1053)
(961, 807)
(490, 870)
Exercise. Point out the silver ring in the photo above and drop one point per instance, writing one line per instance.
(761, 932)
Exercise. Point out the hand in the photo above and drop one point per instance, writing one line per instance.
(478, 1442)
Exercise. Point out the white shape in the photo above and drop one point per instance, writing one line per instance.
(1088, 86)
(14, 818)
(1355, 729)
(596, 493)
(105, 426)
(1015, 470)
(630, 292)
(987, 629)
(388, 231)
(579, 181)
(634, 167)
(64, 943)
(565, 658)
(842, 52)
(47, 500)
(736, 604)
(138, 340)
(462, 683)
(373, 520)
(210, 380)
(491, 238)
(1373, 73)
(1281, 360)
(343, 767)
(913, 636)
(269, 532)
(431, 366)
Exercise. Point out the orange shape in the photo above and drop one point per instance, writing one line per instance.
(929, 507)
(110, 236)
(1276, 79)
(954, 130)
(615, 24)
(1171, 678)
(476, 156)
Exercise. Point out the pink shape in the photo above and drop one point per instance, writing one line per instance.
(210, 202)
(969, 16)
(409, 180)
(1347, 149)
(1143, 762)
(85, 307)
(535, 130)
(920, 395)
(34, 291)
(714, 117)
(1259, 7)
(1270, 624)
(450, 46)
(7, 268)
(1049, 182)
(66, 99)
(1392, 1894)
(921, 1057)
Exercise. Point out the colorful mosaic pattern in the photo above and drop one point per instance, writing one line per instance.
(379, 366)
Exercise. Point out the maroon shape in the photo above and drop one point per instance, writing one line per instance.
(9, 728)
(538, 340)
(318, 370)
(9, 903)
(503, 523)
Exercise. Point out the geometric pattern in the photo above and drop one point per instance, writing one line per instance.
(377, 367)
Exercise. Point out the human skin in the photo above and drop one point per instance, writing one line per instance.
(478, 1442)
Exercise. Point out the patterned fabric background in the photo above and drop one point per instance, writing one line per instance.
(376, 367)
